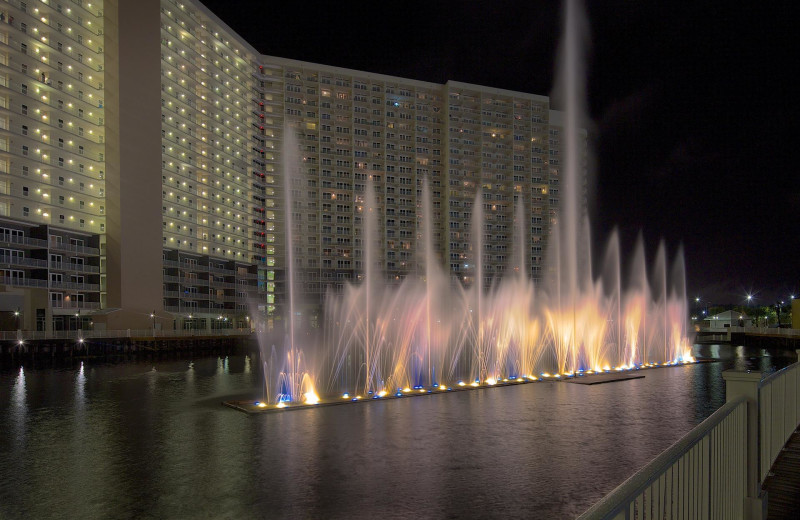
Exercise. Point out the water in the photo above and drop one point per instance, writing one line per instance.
(150, 439)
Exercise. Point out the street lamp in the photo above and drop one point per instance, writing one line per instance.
(16, 317)
(153, 317)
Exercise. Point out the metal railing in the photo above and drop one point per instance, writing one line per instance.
(700, 476)
(31, 335)
(779, 413)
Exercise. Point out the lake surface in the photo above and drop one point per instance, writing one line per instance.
(150, 439)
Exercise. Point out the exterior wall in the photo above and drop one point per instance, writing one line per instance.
(213, 209)
(133, 243)
(52, 160)
(796, 313)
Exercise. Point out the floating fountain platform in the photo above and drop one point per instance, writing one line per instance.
(585, 378)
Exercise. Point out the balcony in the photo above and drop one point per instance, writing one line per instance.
(24, 262)
(69, 266)
(23, 282)
(73, 248)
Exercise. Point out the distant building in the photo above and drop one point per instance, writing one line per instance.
(142, 158)
(729, 319)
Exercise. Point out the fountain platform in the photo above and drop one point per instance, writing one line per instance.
(598, 379)
(251, 407)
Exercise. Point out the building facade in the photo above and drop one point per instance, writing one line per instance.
(101, 228)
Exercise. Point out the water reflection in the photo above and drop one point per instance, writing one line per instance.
(150, 438)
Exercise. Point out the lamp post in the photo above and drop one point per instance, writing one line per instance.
(16, 317)
(153, 317)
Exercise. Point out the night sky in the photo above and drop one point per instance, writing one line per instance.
(693, 126)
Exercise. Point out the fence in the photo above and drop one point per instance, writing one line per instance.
(716, 470)
(113, 334)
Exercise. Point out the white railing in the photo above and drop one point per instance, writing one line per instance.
(703, 475)
(716, 470)
(779, 413)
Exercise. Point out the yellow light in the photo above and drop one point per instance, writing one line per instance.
(491, 381)
(382, 393)
(281, 405)
(262, 405)
(461, 383)
(311, 397)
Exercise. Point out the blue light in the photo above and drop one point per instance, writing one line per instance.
(399, 394)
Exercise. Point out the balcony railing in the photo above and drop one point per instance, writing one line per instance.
(23, 282)
(63, 246)
(26, 262)
(69, 266)
(64, 304)
(25, 241)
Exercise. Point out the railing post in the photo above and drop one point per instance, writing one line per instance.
(739, 383)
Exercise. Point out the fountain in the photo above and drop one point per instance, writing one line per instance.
(430, 333)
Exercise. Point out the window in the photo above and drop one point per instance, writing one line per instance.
(24, 130)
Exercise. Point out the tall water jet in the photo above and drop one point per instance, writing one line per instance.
(476, 236)
(430, 273)
(570, 83)
(369, 224)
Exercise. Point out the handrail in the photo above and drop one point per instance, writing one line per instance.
(779, 414)
(778, 373)
(615, 502)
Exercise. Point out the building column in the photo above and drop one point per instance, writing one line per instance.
(132, 42)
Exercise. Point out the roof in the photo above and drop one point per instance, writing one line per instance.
(729, 315)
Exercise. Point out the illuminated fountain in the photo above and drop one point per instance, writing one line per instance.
(430, 333)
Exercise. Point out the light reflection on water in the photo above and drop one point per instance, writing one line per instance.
(151, 439)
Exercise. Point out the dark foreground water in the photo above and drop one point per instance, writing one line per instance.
(151, 440)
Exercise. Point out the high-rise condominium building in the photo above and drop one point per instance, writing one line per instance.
(151, 161)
